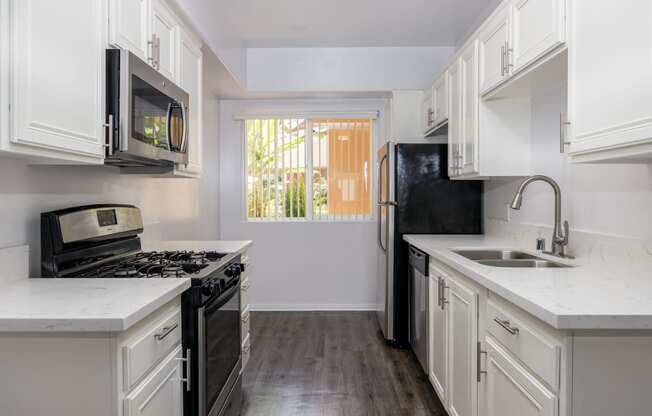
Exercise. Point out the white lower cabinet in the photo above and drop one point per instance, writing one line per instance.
(161, 393)
(509, 389)
(462, 304)
(437, 335)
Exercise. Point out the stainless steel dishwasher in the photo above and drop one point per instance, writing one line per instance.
(418, 283)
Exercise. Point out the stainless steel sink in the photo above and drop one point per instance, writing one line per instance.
(494, 254)
(529, 263)
(509, 258)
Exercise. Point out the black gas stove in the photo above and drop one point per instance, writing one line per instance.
(101, 241)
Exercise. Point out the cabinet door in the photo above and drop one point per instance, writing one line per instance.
(462, 304)
(165, 29)
(437, 334)
(454, 120)
(492, 46)
(160, 394)
(190, 79)
(537, 26)
(440, 98)
(610, 74)
(128, 21)
(58, 76)
(509, 389)
(427, 111)
(470, 102)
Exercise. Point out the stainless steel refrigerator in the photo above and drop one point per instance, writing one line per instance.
(415, 196)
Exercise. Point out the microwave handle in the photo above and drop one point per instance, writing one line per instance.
(184, 120)
(168, 115)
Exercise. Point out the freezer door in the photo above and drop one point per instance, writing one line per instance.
(385, 237)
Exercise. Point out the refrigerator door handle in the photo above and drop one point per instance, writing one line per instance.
(380, 203)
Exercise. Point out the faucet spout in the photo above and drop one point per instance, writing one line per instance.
(561, 231)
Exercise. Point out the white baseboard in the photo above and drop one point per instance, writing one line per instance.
(313, 307)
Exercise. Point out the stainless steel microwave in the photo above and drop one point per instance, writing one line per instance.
(147, 115)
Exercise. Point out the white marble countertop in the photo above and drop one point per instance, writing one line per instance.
(95, 305)
(582, 297)
(92, 305)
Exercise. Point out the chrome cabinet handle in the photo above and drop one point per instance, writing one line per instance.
(165, 332)
(151, 44)
(443, 294)
(431, 120)
(508, 58)
(186, 360)
(502, 61)
(439, 291)
(109, 126)
(562, 136)
(506, 326)
(479, 362)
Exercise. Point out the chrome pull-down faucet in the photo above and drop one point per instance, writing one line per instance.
(560, 233)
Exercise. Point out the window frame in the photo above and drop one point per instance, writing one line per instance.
(309, 121)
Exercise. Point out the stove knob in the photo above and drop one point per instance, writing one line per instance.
(208, 289)
(229, 272)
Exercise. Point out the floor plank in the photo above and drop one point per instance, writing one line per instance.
(331, 364)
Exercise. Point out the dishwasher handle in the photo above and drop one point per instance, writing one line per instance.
(419, 260)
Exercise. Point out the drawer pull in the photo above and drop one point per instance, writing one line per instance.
(245, 319)
(245, 350)
(165, 331)
(244, 287)
(505, 324)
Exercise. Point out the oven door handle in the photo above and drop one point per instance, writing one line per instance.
(222, 299)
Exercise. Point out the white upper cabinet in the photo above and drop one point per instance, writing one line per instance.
(440, 98)
(454, 120)
(164, 29)
(492, 53)
(462, 302)
(57, 79)
(190, 79)
(610, 81)
(427, 112)
(469, 122)
(128, 27)
(538, 26)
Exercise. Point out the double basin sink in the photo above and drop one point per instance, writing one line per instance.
(509, 258)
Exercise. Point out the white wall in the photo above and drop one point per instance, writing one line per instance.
(609, 199)
(172, 208)
(344, 69)
(298, 265)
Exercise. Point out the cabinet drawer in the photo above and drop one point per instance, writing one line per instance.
(245, 286)
(160, 393)
(145, 349)
(245, 319)
(541, 354)
(246, 351)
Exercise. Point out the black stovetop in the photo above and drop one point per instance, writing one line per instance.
(163, 264)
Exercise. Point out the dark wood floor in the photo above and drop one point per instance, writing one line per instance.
(331, 363)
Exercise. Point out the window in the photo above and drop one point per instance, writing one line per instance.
(308, 169)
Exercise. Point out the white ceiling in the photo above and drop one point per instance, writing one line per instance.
(338, 23)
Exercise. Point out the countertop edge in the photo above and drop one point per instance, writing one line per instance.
(558, 321)
(90, 324)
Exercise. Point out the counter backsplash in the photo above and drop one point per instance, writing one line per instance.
(611, 252)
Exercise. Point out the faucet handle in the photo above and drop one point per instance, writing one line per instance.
(541, 244)
(566, 232)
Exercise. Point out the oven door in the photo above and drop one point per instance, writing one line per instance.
(218, 350)
(148, 114)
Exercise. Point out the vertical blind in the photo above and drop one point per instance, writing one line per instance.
(308, 169)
